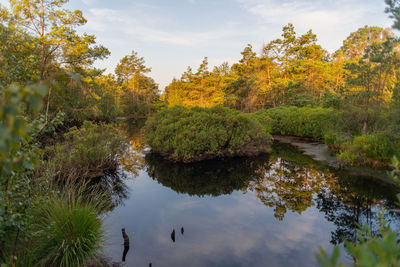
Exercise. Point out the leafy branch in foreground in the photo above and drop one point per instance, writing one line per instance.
(371, 249)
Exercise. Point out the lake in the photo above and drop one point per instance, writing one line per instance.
(271, 210)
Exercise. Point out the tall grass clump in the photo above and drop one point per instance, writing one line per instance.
(195, 134)
(86, 152)
(67, 229)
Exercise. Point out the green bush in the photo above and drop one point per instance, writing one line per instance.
(85, 152)
(369, 150)
(304, 121)
(342, 130)
(201, 133)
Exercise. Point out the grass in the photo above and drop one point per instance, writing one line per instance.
(67, 229)
(86, 152)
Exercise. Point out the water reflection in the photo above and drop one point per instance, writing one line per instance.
(285, 181)
(133, 161)
(126, 244)
(288, 186)
(356, 200)
(241, 211)
(112, 187)
(213, 177)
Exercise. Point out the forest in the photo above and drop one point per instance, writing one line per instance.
(59, 119)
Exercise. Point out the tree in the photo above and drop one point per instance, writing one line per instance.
(304, 65)
(139, 90)
(54, 28)
(356, 43)
(393, 8)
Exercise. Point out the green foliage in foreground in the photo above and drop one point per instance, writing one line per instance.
(371, 148)
(67, 230)
(371, 249)
(39, 226)
(85, 152)
(195, 134)
(18, 158)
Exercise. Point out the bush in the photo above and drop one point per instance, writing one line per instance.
(305, 121)
(85, 152)
(195, 134)
(369, 150)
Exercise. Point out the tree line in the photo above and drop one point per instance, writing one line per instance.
(39, 43)
(296, 70)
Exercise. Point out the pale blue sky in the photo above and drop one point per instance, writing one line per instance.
(173, 34)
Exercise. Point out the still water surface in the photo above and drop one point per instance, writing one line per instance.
(272, 210)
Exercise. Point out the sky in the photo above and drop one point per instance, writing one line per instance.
(174, 34)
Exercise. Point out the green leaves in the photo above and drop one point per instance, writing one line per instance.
(393, 8)
(201, 133)
(13, 127)
(325, 261)
(86, 152)
(371, 250)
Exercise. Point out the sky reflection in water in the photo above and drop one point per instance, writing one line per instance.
(267, 211)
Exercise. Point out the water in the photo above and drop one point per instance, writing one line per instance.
(273, 210)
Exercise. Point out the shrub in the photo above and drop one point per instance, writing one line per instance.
(195, 134)
(371, 149)
(85, 152)
(305, 121)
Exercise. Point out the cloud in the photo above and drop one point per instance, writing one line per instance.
(331, 20)
(146, 27)
(88, 2)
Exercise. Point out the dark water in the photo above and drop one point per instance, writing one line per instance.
(273, 210)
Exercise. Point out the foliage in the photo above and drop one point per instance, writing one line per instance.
(67, 229)
(369, 150)
(370, 249)
(305, 121)
(204, 178)
(139, 92)
(85, 152)
(194, 134)
(18, 158)
(393, 8)
(341, 130)
(295, 70)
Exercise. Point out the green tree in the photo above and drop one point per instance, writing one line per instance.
(57, 40)
(393, 8)
(139, 90)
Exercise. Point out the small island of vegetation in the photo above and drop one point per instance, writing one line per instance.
(194, 134)
(59, 139)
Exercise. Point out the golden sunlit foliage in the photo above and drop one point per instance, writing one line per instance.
(296, 70)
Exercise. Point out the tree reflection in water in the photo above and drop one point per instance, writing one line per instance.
(288, 186)
(356, 200)
(111, 186)
(287, 180)
(133, 161)
(212, 177)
